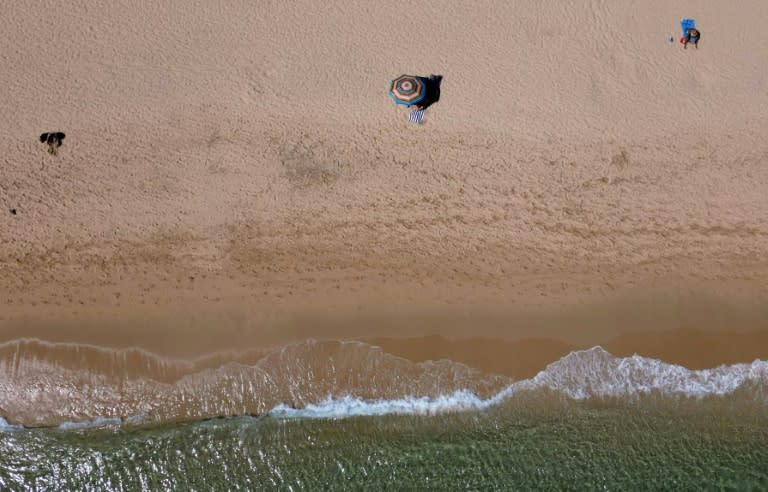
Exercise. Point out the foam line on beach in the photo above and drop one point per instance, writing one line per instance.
(287, 383)
(581, 375)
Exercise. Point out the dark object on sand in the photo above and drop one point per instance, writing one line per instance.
(53, 139)
(432, 91)
(13, 211)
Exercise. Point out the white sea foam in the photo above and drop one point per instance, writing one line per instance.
(350, 406)
(97, 423)
(580, 375)
(5, 426)
(595, 373)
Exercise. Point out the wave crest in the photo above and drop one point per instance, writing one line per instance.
(595, 373)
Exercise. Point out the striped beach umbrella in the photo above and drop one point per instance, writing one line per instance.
(407, 90)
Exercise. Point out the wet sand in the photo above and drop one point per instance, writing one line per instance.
(515, 345)
(524, 358)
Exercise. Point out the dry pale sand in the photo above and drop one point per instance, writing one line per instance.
(234, 173)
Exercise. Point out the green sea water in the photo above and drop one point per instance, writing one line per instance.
(654, 444)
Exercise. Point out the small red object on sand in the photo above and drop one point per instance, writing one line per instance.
(682, 40)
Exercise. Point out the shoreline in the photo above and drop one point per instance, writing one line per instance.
(137, 387)
(653, 325)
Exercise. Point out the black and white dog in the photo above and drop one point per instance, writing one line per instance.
(53, 139)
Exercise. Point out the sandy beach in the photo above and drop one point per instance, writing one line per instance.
(234, 176)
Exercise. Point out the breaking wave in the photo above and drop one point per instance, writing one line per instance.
(77, 387)
(581, 375)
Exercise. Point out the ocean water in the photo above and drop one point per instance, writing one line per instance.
(346, 416)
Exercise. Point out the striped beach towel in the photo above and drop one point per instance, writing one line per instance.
(416, 116)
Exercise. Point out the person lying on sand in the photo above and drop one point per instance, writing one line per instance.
(693, 36)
